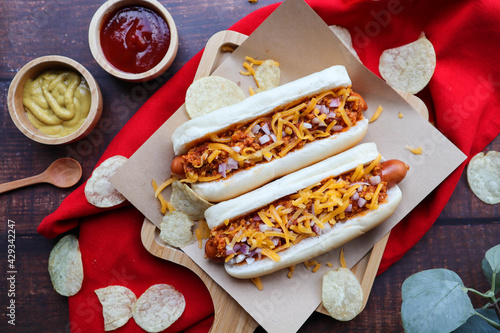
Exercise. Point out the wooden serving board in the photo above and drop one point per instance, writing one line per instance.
(229, 315)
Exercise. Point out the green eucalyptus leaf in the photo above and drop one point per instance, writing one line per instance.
(476, 324)
(493, 257)
(434, 300)
(488, 272)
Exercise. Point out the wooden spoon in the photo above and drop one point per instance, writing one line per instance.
(64, 172)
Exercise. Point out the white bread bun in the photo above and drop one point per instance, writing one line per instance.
(339, 234)
(290, 183)
(262, 173)
(312, 247)
(258, 105)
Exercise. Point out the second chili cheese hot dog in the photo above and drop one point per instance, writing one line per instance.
(304, 214)
(238, 148)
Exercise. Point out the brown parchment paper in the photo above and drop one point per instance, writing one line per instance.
(302, 43)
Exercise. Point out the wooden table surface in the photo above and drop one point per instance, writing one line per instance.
(29, 29)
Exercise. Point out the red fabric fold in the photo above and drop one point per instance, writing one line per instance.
(463, 97)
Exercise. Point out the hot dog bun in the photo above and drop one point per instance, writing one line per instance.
(311, 247)
(262, 104)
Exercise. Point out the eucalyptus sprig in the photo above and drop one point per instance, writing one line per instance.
(436, 300)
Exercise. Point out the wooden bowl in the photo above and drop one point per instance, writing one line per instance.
(95, 41)
(30, 71)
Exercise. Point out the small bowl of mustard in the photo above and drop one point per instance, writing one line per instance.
(54, 100)
(133, 40)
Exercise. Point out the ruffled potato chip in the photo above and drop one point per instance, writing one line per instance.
(183, 198)
(211, 93)
(176, 229)
(98, 190)
(65, 266)
(158, 308)
(345, 37)
(117, 302)
(342, 294)
(409, 67)
(483, 176)
(267, 75)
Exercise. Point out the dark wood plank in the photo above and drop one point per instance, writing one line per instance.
(464, 231)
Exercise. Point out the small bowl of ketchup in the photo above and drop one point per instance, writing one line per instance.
(134, 40)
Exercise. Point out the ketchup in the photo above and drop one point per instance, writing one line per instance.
(134, 39)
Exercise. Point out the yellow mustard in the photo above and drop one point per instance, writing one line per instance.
(57, 102)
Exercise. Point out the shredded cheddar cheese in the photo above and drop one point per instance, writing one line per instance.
(270, 136)
(416, 151)
(307, 213)
(291, 269)
(377, 114)
(258, 283)
(342, 258)
(165, 205)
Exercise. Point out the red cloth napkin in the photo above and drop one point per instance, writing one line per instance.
(463, 97)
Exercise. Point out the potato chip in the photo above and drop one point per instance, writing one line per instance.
(65, 266)
(345, 37)
(409, 67)
(211, 93)
(158, 308)
(117, 302)
(483, 176)
(267, 75)
(98, 190)
(342, 294)
(176, 229)
(183, 198)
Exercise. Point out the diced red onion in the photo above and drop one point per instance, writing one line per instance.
(244, 239)
(231, 164)
(239, 258)
(316, 229)
(256, 129)
(244, 249)
(259, 256)
(361, 202)
(257, 217)
(229, 252)
(249, 260)
(258, 250)
(337, 128)
(277, 229)
(335, 102)
(273, 136)
(315, 120)
(349, 208)
(307, 125)
(222, 169)
(264, 227)
(237, 149)
(322, 109)
(375, 180)
(265, 128)
(275, 241)
(264, 139)
(331, 115)
(327, 227)
(355, 196)
(236, 247)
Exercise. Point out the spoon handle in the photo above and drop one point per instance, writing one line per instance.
(22, 182)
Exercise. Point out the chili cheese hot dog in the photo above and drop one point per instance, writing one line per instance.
(304, 214)
(238, 148)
